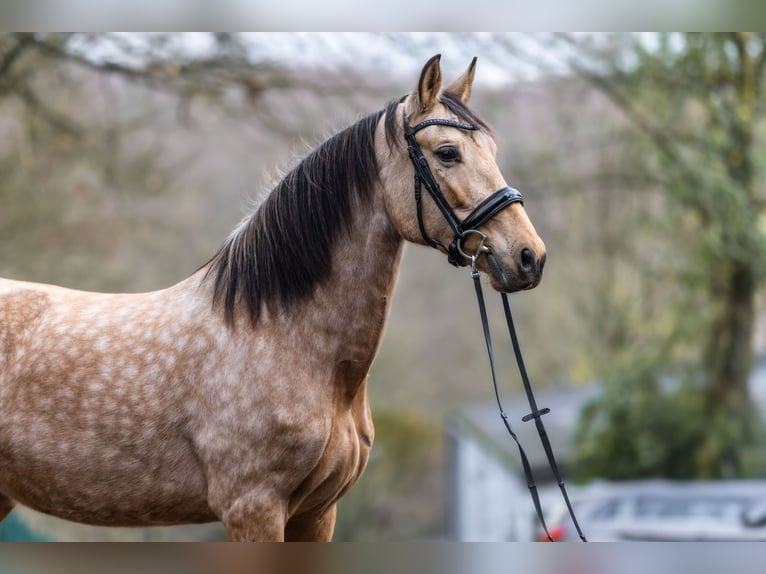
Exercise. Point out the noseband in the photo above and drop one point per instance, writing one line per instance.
(485, 211)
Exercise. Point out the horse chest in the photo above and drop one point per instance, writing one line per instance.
(344, 456)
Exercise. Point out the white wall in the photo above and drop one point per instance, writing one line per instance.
(489, 502)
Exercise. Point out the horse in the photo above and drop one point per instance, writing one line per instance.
(240, 394)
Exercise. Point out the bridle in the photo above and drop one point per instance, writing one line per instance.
(456, 255)
(485, 211)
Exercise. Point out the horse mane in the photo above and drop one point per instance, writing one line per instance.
(283, 250)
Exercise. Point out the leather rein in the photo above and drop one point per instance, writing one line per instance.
(456, 255)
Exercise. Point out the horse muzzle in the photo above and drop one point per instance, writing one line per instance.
(525, 273)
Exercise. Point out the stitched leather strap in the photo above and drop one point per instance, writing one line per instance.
(535, 415)
(524, 460)
(491, 206)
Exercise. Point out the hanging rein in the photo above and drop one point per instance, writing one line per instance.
(456, 255)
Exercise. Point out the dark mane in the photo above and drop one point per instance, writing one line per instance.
(278, 256)
(283, 250)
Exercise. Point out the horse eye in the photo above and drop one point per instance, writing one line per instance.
(448, 154)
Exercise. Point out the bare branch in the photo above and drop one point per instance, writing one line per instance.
(663, 141)
(108, 66)
(55, 119)
(10, 57)
(660, 139)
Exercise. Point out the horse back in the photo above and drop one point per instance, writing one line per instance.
(22, 305)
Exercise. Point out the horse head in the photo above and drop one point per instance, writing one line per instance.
(467, 208)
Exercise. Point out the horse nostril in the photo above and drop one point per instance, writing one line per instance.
(527, 260)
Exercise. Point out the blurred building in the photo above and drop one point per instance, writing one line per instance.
(488, 498)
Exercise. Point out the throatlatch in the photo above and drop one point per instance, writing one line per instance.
(487, 209)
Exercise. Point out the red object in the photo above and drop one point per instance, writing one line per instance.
(557, 534)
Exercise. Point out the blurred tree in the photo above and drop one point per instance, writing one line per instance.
(695, 100)
(84, 120)
(174, 63)
(51, 77)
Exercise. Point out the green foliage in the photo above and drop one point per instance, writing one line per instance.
(648, 426)
(693, 99)
(633, 431)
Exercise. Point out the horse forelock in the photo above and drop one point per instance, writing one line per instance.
(463, 112)
(283, 250)
(450, 101)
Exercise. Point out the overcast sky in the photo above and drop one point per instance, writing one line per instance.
(405, 53)
(503, 58)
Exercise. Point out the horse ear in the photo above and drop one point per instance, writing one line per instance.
(462, 86)
(429, 85)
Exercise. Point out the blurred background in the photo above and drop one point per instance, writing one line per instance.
(126, 159)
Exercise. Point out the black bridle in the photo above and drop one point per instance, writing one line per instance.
(485, 211)
(456, 255)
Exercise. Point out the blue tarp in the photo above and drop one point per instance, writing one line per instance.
(14, 529)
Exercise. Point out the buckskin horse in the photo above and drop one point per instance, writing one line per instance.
(240, 394)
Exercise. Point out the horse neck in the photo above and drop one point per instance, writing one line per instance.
(338, 304)
(345, 316)
(351, 308)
